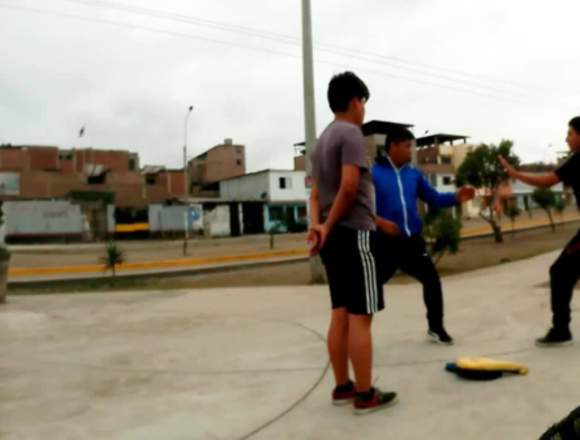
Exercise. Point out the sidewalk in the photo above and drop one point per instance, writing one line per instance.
(251, 363)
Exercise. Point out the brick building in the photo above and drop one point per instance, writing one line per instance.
(221, 162)
(47, 172)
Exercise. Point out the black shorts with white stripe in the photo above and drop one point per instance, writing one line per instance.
(350, 259)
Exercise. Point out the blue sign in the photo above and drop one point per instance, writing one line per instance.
(195, 214)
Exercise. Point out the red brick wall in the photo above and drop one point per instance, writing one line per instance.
(111, 160)
(221, 162)
(13, 159)
(43, 158)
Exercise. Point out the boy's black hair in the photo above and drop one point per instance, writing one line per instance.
(398, 135)
(343, 88)
(575, 124)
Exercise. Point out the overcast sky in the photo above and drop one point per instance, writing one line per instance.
(488, 69)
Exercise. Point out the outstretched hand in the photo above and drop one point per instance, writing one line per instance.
(508, 167)
(465, 194)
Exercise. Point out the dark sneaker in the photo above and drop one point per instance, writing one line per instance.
(344, 394)
(555, 338)
(440, 337)
(569, 428)
(373, 400)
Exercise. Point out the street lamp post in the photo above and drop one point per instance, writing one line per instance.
(186, 184)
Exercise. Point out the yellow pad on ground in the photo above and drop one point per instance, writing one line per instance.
(486, 364)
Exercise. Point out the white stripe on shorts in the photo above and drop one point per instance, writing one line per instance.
(364, 262)
(373, 274)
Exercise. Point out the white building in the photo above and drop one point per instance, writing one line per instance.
(522, 194)
(267, 199)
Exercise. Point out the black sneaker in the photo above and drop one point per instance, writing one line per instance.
(373, 400)
(555, 338)
(344, 394)
(569, 428)
(440, 337)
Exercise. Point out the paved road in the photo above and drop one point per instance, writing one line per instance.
(251, 363)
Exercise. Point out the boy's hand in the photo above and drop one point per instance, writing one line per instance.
(388, 227)
(316, 238)
(512, 172)
(465, 194)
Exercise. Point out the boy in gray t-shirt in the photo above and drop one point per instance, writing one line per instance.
(343, 224)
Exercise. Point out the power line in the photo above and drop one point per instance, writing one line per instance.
(126, 25)
(363, 55)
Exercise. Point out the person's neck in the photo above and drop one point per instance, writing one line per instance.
(346, 118)
(397, 165)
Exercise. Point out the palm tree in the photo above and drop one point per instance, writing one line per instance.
(114, 256)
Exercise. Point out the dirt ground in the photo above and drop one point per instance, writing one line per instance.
(473, 254)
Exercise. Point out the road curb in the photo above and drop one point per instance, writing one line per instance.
(187, 271)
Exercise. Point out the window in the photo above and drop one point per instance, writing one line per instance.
(239, 162)
(447, 180)
(65, 155)
(446, 160)
(132, 164)
(285, 182)
(98, 179)
(151, 179)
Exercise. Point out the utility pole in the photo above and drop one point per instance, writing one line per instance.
(186, 185)
(316, 271)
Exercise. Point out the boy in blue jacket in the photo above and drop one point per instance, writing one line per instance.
(398, 187)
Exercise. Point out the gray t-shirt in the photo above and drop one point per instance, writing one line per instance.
(343, 143)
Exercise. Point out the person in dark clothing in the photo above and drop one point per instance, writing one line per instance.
(398, 186)
(565, 272)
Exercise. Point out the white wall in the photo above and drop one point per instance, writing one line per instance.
(245, 188)
(252, 186)
(442, 187)
(523, 188)
(217, 222)
(296, 191)
(111, 223)
(170, 218)
(58, 217)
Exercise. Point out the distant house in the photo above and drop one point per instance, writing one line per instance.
(267, 198)
(218, 163)
(522, 195)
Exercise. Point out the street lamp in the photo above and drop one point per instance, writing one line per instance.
(186, 184)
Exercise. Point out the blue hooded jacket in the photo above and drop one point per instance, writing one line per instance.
(397, 191)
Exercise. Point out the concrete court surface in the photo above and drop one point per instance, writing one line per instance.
(251, 363)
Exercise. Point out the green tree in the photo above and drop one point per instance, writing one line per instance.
(546, 199)
(442, 233)
(114, 256)
(513, 213)
(482, 169)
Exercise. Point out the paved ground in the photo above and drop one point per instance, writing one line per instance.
(251, 363)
